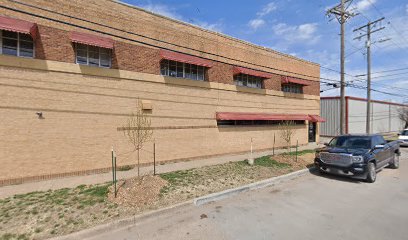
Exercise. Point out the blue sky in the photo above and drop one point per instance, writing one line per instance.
(301, 28)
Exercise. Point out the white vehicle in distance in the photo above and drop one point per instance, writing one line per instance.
(403, 138)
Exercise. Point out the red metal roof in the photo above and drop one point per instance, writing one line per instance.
(365, 100)
(316, 118)
(260, 116)
(238, 70)
(286, 79)
(17, 25)
(184, 58)
(92, 40)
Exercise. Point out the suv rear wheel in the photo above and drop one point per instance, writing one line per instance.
(371, 172)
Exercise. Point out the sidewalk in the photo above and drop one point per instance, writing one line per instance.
(71, 182)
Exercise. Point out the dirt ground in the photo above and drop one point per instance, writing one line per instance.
(137, 192)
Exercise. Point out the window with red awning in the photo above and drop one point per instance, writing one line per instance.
(247, 71)
(286, 80)
(184, 58)
(19, 26)
(92, 40)
(92, 50)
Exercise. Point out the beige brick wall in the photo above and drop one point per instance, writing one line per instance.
(83, 108)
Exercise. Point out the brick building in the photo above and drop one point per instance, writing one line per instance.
(73, 71)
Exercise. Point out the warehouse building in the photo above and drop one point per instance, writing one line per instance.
(384, 116)
(72, 72)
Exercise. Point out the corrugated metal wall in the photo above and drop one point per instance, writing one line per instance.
(330, 110)
(384, 117)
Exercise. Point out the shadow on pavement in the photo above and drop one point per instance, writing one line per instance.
(316, 172)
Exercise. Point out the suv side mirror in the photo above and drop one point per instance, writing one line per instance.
(379, 147)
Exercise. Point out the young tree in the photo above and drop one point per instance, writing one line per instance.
(287, 131)
(138, 131)
(403, 115)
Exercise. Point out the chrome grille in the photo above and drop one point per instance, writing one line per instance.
(339, 159)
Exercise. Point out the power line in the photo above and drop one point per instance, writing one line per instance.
(392, 26)
(356, 78)
(390, 75)
(385, 71)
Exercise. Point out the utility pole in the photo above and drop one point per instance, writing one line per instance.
(342, 14)
(369, 26)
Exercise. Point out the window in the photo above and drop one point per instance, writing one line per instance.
(93, 56)
(182, 70)
(292, 88)
(351, 142)
(248, 81)
(16, 44)
(254, 122)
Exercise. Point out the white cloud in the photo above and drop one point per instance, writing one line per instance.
(259, 22)
(216, 27)
(326, 58)
(162, 9)
(364, 4)
(171, 12)
(307, 33)
(270, 7)
(256, 23)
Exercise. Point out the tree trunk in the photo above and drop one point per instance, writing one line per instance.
(138, 162)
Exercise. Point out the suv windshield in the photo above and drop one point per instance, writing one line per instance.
(404, 133)
(351, 142)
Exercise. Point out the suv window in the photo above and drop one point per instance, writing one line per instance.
(378, 140)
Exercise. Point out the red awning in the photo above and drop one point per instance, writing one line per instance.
(295, 80)
(93, 40)
(238, 70)
(316, 118)
(17, 25)
(184, 58)
(260, 116)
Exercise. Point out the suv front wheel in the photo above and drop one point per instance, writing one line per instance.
(371, 172)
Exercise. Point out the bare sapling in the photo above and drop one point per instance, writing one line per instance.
(286, 132)
(138, 131)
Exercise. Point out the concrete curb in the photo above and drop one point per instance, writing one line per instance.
(253, 186)
(121, 223)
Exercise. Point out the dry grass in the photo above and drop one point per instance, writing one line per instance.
(44, 214)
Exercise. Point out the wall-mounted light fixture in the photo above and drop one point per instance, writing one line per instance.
(40, 115)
